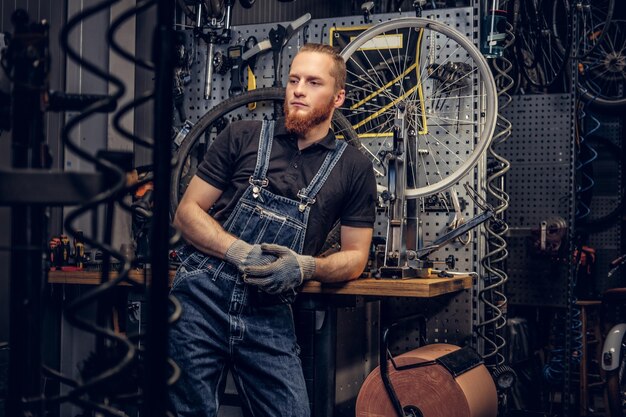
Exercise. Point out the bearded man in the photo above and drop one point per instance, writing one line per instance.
(254, 217)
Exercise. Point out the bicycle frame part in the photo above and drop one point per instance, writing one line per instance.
(614, 366)
(612, 348)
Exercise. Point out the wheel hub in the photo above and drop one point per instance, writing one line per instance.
(615, 62)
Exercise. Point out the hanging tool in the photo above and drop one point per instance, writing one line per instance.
(236, 70)
(418, 5)
(366, 9)
(456, 233)
(212, 37)
(182, 75)
(251, 43)
(458, 219)
(276, 41)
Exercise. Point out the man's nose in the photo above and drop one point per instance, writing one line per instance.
(298, 89)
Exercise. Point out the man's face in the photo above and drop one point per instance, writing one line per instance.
(310, 95)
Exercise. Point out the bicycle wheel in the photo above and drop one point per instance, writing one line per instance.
(616, 386)
(269, 103)
(602, 74)
(591, 14)
(535, 37)
(445, 87)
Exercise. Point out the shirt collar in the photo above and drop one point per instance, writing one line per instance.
(328, 141)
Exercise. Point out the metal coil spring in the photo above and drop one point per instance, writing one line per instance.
(490, 329)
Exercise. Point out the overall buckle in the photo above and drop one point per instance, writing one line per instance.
(257, 185)
(305, 201)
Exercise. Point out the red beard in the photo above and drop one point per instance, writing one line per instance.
(301, 124)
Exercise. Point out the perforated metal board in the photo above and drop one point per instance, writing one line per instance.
(540, 185)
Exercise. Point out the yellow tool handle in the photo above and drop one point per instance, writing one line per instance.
(251, 86)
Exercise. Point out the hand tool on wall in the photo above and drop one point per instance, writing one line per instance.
(236, 70)
(251, 43)
(276, 41)
(366, 9)
(216, 30)
(458, 219)
(182, 74)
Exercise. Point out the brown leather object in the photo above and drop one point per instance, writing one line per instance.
(432, 389)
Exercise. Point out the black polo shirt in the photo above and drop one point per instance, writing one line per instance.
(349, 193)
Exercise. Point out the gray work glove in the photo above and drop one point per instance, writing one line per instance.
(286, 273)
(242, 254)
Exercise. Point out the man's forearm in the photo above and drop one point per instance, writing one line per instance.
(202, 230)
(340, 266)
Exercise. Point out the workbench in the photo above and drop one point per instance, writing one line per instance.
(408, 287)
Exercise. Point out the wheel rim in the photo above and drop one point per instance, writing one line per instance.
(449, 142)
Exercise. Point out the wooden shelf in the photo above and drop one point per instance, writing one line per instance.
(409, 287)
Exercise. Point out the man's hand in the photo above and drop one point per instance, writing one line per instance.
(287, 272)
(242, 254)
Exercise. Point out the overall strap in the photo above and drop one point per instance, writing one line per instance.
(307, 195)
(258, 177)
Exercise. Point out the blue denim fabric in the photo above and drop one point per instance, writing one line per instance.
(222, 325)
(226, 323)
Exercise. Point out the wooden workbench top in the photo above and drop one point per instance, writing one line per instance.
(410, 287)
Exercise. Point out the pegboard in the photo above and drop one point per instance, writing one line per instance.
(450, 317)
(540, 186)
(315, 31)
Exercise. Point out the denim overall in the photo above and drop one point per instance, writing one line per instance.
(226, 322)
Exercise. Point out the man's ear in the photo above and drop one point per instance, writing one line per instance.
(340, 98)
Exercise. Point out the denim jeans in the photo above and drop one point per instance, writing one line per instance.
(248, 331)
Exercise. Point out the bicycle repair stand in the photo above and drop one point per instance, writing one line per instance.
(403, 226)
(402, 258)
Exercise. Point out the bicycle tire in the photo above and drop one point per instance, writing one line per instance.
(602, 75)
(486, 117)
(271, 94)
